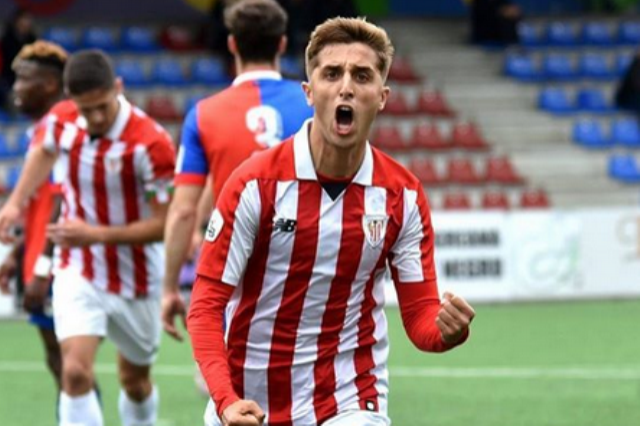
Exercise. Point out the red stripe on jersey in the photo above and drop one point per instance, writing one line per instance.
(363, 357)
(64, 253)
(285, 328)
(350, 252)
(132, 211)
(74, 180)
(102, 212)
(251, 286)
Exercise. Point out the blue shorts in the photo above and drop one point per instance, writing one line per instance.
(42, 319)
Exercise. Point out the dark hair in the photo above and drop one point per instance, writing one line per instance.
(45, 54)
(88, 70)
(258, 27)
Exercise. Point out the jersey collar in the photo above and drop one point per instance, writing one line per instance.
(257, 75)
(304, 162)
(114, 133)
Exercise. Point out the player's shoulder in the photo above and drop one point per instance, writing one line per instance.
(389, 173)
(276, 163)
(144, 129)
(65, 110)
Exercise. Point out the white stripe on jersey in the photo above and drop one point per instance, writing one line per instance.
(407, 249)
(381, 348)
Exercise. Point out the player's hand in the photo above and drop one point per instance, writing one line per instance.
(9, 217)
(173, 306)
(7, 271)
(243, 413)
(35, 294)
(454, 318)
(73, 233)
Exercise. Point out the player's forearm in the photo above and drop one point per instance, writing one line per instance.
(141, 232)
(55, 214)
(205, 326)
(37, 167)
(178, 233)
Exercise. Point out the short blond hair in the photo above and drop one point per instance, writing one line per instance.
(346, 31)
(43, 52)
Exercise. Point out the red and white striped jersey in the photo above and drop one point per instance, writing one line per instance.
(111, 181)
(307, 334)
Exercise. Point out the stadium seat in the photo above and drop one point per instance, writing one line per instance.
(100, 38)
(522, 67)
(595, 66)
(456, 201)
(597, 34)
(466, 135)
(178, 38)
(593, 100)
(65, 37)
(428, 136)
(162, 108)
(139, 40)
(210, 71)
(462, 171)
(500, 170)
(534, 199)
(559, 67)
(434, 104)
(495, 200)
(623, 61)
(425, 170)
(9, 148)
(624, 168)
(626, 132)
(388, 137)
(169, 72)
(401, 70)
(556, 100)
(629, 33)
(397, 104)
(531, 35)
(561, 34)
(132, 73)
(12, 176)
(290, 67)
(589, 133)
(23, 141)
(191, 102)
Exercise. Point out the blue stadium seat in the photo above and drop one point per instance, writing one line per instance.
(100, 38)
(562, 34)
(191, 102)
(556, 101)
(132, 73)
(623, 61)
(140, 40)
(23, 141)
(595, 66)
(531, 35)
(624, 168)
(9, 149)
(559, 67)
(210, 71)
(12, 176)
(522, 67)
(169, 72)
(629, 33)
(593, 100)
(291, 68)
(65, 37)
(597, 34)
(589, 133)
(626, 132)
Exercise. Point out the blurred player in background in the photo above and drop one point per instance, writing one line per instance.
(118, 166)
(259, 110)
(37, 87)
(296, 254)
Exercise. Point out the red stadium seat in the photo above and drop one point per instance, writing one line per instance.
(402, 71)
(162, 108)
(468, 136)
(425, 170)
(462, 171)
(534, 199)
(433, 103)
(500, 170)
(495, 200)
(428, 136)
(388, 137)
(397, 104)
(456, 201)
(178, 38)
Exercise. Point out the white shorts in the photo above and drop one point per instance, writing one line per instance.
(347, 418)
(81, 309)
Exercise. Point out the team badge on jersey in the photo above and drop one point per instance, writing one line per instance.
(215, 226)
(375, 228)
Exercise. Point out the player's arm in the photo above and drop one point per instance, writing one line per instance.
(431, 325)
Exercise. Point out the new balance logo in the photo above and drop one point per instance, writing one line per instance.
(285, 225)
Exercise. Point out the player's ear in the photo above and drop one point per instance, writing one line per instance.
(383, 97)
(308, 92)
(232, 45)
(282, 46)
(118, 85)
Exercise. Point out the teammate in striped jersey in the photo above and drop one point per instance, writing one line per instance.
(296, 255)
(116, 167)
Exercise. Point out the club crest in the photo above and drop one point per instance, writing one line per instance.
(375, 228)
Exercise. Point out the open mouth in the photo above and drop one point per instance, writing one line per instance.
(344, 119)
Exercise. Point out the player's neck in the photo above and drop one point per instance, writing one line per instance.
(332, 161)
(255, 66)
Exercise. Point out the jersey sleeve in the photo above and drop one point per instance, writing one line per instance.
(192, 167)
(47, 134)
(230, 235)
(158, 168)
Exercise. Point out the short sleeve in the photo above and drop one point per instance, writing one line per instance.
(158, 165)
(192, 167)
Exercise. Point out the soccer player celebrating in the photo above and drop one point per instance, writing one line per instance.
(259, 110)
(297, 250)
(117, 167)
